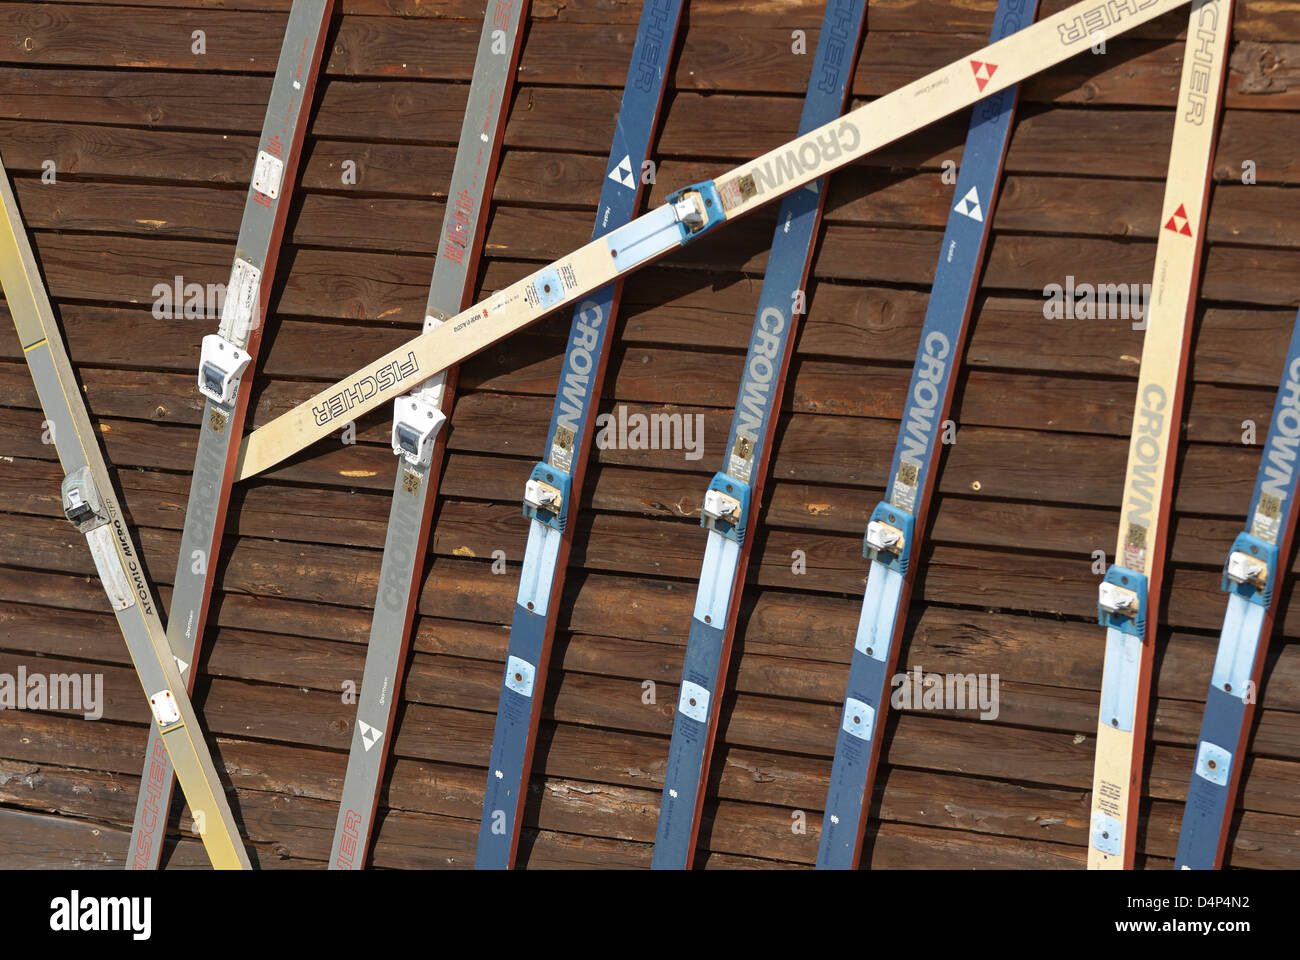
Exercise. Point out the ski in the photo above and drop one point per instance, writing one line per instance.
(891, 543)
(696, 210)
(224, 358)
(730, 507)
(1137, 573)
(549, 495)
(90, 504)
(1256, 564)
(417, 437)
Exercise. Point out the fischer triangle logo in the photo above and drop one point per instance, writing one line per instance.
(369, 735)
(1179, 223)
(969, 206)
(983, 73)
(622, 173)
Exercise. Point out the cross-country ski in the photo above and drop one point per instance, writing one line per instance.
(225, 381)
(897, 524)
(1129, 597)
(729, 510)
(90, 503)
(419, 440)
(550, 495)
(1252, 575)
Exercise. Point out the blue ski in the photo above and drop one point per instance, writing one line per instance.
(891, 537)
(549, 494)
(731, 501)
(1255, 565)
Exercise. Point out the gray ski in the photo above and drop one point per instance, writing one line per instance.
(90, 503)
(225, 357)
(418, 438)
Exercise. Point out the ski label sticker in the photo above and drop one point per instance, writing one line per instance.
(969, 205)
(1179, 222)
(369, 735)
(622, 173)
(983, 73)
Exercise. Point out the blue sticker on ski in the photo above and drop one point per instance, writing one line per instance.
(896, 523)
(726, 512)
(1254, 568)
(548, 498)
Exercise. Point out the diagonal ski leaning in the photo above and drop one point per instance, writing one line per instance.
(225, 357)
(730, 506)
(694, 211)
(1256, 565)
(90, 503)
(418, 437)
(1137, 573)
(893, 534)
(549, 497)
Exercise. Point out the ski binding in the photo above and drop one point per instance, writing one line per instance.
(1122, 601)
(696, 208)
(546, 496)
(85, 510)
(221, 364)
(1247, 569)
(726, 503)
(416, 422)
(889, 536)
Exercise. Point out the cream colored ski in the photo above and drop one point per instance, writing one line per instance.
(1139, 556)
(90, 503)
(693, 211)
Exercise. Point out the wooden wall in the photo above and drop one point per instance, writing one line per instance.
(153, 146)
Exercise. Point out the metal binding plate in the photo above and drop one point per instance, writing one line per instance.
(108, 563)
(165, 710)
(520, 675)
(1107, 833)
(268, 174)
(694, 702)
(1213, 763)
(859, 719)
